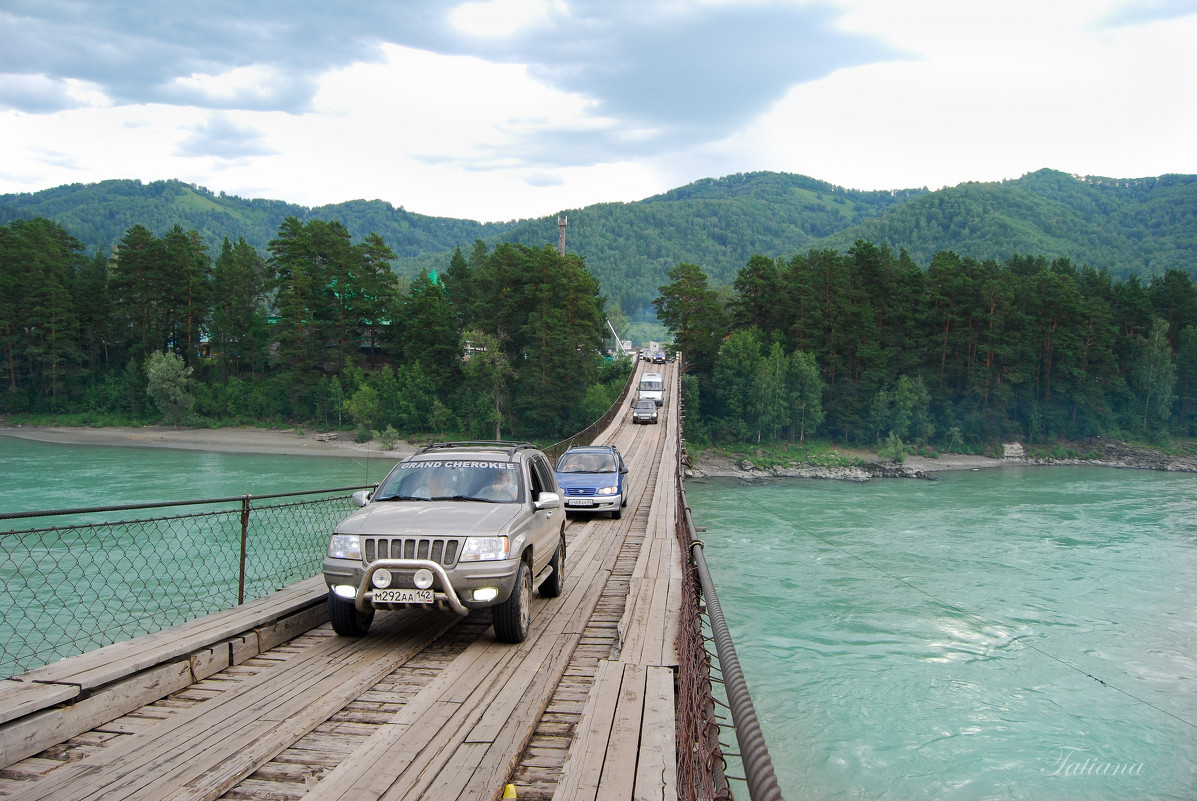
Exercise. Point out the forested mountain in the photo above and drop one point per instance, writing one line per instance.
(719, 224)
(99, 215)
(1141, 226)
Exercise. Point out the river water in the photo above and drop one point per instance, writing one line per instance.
(1008, 633)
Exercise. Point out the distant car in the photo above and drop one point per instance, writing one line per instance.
(593, 479)
(457, 525)
(659, 357)
(644, 411)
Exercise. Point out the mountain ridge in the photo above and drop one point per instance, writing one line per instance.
(1137, 225)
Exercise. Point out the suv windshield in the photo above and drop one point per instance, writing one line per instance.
(493, 482)
(587, 463)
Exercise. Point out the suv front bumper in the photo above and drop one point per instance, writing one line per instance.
(452, 588)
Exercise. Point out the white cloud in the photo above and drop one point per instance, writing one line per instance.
(504, 18)
(990, 101)
(516, 108)
(254, 85)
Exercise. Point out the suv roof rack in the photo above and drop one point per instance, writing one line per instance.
(592, 445)
(510, 447)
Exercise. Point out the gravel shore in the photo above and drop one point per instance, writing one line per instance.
(289, 441)
(296, 441)
(1099, 453)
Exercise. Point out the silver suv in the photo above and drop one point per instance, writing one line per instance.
(458, 525)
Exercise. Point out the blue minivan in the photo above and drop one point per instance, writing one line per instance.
(593, 478)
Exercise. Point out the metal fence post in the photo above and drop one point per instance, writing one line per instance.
(244, 548)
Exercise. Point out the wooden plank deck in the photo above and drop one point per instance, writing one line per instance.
(595, 675)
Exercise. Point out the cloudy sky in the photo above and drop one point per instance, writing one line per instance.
(504, 109)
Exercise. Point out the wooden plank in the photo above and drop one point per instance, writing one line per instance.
(674, 610)
(584, 765)
(243, 648)
(501, 758)
(234, 729)
(548, 649)
(371, 770)
(451, 781)
(656, 763)
(20, 698)
(37, 732)
(291, 626)
(114, 662)
(271, 730)
(209, 661)
(618, 776)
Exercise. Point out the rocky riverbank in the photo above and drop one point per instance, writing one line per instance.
(867, 465)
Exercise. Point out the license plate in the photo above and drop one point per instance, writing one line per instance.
(403, 596)
(580, 502)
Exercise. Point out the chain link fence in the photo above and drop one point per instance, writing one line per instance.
(88, 582)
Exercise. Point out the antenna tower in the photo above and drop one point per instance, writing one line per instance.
(561, 223)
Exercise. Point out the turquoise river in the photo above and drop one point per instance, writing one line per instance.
(1015, 633)
(1002, 634)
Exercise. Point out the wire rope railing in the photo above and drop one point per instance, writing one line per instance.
(702, 757)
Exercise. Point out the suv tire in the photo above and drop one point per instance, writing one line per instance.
(346, 619)
(554, 585)
(513, 617)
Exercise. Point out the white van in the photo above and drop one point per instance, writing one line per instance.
(652, 387)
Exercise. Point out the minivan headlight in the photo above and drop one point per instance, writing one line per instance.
(483, 549)
(345, 546)
(607, 491)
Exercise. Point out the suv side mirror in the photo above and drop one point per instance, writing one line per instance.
(548, 500)
(361, 497)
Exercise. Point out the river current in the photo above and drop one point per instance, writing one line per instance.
(1003, 634)
(1006, 633)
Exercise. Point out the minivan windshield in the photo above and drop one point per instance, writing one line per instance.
(586, 463)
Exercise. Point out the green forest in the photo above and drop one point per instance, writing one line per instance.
(869, 348)
(1142, 226)
(317, 331)
(1051, 307)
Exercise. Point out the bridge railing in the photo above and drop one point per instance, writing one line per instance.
(587, 434)
(92, 580)
(702, 756)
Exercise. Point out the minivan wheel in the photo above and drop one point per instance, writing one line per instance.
(346, 620)
(513, 617)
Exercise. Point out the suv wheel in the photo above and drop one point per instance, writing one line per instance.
(554, 585)
(513, 617)
(346, 620)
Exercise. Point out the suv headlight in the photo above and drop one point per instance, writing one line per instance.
(483, 549)
(345, 546)
(607, 491)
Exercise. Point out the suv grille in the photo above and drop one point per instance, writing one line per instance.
(437, 549)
